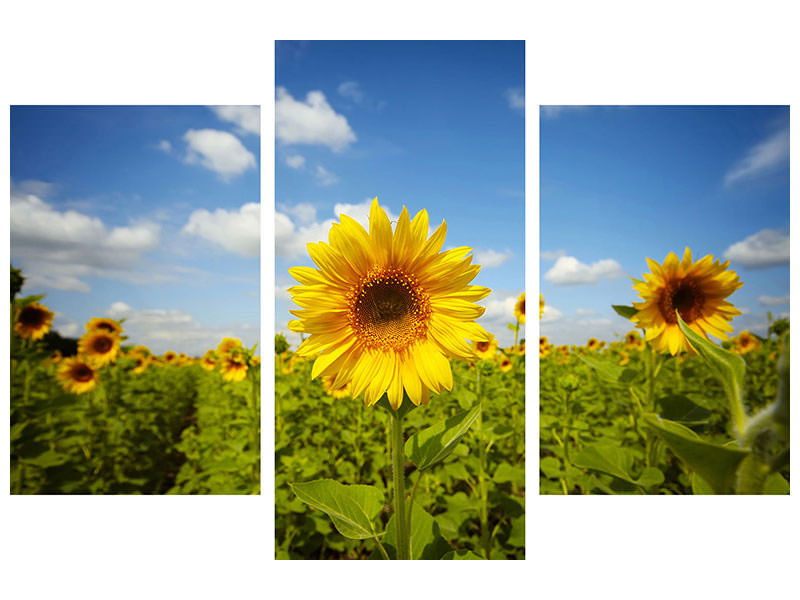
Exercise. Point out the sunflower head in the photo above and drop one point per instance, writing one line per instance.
(504, 363)
(33, 321)
(519, 308)
(695, 290)
(746, 342)
(541, 306)
(77, 374)
(99, 346)
(228, 345)
(209, 361)
(169, 358)
(593, 344)
(624, 359)
(233, 367)
(141, 362)
(335, 392)
(485, 349)
(103, 324)
(385, 310)
(633, 341)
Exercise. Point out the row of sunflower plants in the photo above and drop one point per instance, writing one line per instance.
(394, 440)
(111, 418)
(669, 411)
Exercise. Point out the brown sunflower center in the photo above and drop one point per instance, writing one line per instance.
(522, 307)
(106, 326)
(686, 297)
(30, 316)
(82, 373)
(102, 344)
(482, 346)
(388, 309)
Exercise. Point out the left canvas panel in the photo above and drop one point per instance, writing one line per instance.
(135, 313)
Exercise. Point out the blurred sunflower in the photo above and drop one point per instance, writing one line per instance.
(169, 357)
(624, 358)
(33, 321)
(99, 346)
(54, 358)
(593, 344)
(333, 391)
(541, 306)
(544, 347)
(77, 375)
(227, 345)
(141, 363)
(386, 310)
(233, 367)
(209, 360)
(519, 308)
(103, 324)
(696, 290)
(634, 341)
(485, 350)
(504, 363)
(746, 342)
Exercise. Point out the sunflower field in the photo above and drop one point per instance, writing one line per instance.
(668, 411)
(102, 416)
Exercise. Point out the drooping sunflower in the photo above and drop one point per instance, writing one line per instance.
(33, 321)
(103, 324)
(746, 342)
(504, 363)
(696, 290)
(486, 349)
(333, 391)
(99, 346)
(77, 375)
(386, 309)
(519, 308)
(233, 367)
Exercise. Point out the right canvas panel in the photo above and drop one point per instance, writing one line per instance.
(664, 306)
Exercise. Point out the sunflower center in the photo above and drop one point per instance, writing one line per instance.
(82, 373)
(32, 316)
(388, 309)
(102, 344)
(685, 297)
(482, 346)
(522, 307)
(106, 326)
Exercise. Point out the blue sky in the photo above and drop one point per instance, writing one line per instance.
(433, 125)
(618, 184)
(145, 213)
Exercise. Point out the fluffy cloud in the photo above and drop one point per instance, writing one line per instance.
(296, 161)
(499, 313)
(762, 158)
(60, 249)
(773, 301)
(490, 258)
(304, 213)
(237, 231)
(767, 248)
(568, 270)
(516, 98)
(325, 177)
(218, 151)
(351, 90)
(164, 329)
(551, 314)
(552, 255)
(246, 118)
(310, 122)
(164, 146)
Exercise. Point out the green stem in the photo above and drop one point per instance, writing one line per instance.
(398, 476)
(485, 546)
(382, 549)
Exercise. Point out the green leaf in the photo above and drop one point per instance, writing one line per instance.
(716, 464)
(505, 473)
(679, 408)
(605, 370)
(406, 407)
(352, 508)
(517, 536)
(427, 542)
(461, 555)
(48, 458)
(776, 484)
(432, 445)
(607, 458)
(727, 366)
(623, 310)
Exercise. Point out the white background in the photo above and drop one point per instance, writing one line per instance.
(164, 52)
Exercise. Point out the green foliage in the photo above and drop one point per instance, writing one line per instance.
(352, 508)
(281, 345)
(17, 280)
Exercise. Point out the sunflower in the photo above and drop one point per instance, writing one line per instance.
(624, 358)
(233, 367)
(53, 359)
(633, 341)
(169, 357)
(335, 392)
(388, 309)
(697, 291)
(541, 306)
(228, 345)
(209, 360)
(544, 347)
(519, 308)
(142, 362)
(485, 350)
(504, 363)
(593, 344)
(33, 321)
(99, 346)
(746, 342)
(103, 324)
(77, 375)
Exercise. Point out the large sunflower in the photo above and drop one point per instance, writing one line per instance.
(519, 309)
(386, 309)
(77, 375)
(33, 321)
(696, 290)
(99, 346)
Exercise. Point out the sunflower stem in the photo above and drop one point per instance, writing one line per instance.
(398, 476)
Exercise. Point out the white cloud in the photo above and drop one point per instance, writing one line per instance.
(499, 313)
(164, 146)
(552, 255)
(246, 118)
(490, 258)
(296, 161)
(304, 213)
(310, 122)
(568, 270)
(554, 111)
(767, 248)
(585, 312)
(762, 158)
(169, 329)
(60, 249)
(351, 90)
(236, 231)
(773, 300)
(325, 177)
(218, 151)
(516, 98)
(551, 314)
